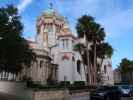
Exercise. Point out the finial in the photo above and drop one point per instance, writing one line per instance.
(51, 5)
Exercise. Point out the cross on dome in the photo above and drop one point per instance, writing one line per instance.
(51, 5)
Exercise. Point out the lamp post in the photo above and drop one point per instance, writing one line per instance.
(66, 94)
(50, 48)
(65, 78)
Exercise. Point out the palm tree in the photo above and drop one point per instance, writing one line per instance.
(126, 67)
(104, 49)
(81, 49)
(94, 34)
(97, 36)
(83, 30)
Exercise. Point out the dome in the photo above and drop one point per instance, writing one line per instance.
(52, 13)
(49, 12)
(66, 28)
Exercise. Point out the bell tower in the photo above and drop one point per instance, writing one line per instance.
(49, 27)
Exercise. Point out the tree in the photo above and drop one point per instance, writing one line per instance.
(81, 49)
(14, 49)
(83, 30)
(126, 65)
(94, 34)
(98, 35)
(126, 69)
(103, 50)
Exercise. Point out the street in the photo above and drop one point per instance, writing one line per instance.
(86, 97)
(16, 91)
(127, 98)
(5, 96)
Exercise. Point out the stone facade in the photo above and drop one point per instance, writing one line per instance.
(55, 57)
(55, 36)
(107, 72)
(42, 68)
(117, 75)
(51, 95)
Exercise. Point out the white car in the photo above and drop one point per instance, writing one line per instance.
(125, 90)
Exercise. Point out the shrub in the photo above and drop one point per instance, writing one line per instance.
(25, 78)
(65, 84)
(79, 83)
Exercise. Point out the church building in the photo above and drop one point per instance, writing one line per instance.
(54, 48)
(56, 59)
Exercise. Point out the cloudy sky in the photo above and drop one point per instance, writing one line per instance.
(116, 16)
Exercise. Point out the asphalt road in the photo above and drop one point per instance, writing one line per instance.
(5, 96)
(86, 97)
(127, 98)
(16, 91)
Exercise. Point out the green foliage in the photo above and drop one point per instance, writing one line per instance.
(79, 47)
(79, 83)
(65, 84)
(14, 49)
(94, 34)
(104, 49)
(87, 26)
(83, 25)
(82, 88)
(126, 65)
(61, 85)
(82, 50)
(122, 83)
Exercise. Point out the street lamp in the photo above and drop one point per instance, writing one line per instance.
(50, 48)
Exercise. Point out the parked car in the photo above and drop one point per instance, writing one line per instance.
(106, 93)
(131, 90)
(126, 90)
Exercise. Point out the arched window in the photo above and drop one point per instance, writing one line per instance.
(105, 69)
(98, 67)
(41, 64)
(67, 43)
(73, 59)
(78, 66)
(109, 65)
(50, 28)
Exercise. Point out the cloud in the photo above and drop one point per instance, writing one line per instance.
(118, 24)
(21, 7)
(76, 8)
(115, 15)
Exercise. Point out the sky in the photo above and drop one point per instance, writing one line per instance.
(116, 16)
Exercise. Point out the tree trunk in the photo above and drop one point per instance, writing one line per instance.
(101, 77)
(88, 63)
(85, 72)
(95, 64)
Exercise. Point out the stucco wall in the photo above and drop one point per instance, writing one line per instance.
(108, 76)
(50, 95)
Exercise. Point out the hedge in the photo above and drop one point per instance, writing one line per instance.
(62, 85)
